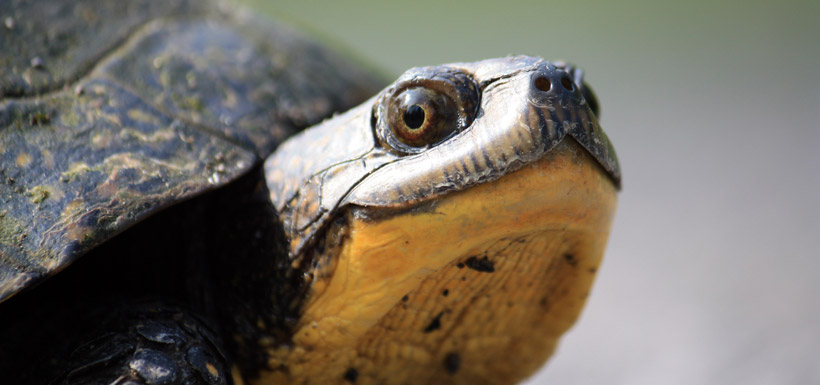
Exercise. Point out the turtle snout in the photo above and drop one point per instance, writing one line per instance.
(553, 81)
(564, 82)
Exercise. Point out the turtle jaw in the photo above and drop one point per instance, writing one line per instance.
(443, 292)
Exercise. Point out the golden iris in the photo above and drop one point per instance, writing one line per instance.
(421, 116)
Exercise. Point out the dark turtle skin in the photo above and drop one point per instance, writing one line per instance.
(111, 112)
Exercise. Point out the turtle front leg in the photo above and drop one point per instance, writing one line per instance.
(148, 343)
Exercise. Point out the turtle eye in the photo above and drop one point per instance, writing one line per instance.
(420, 116)
(424, 108)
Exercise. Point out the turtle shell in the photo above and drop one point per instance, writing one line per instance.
(111, 111)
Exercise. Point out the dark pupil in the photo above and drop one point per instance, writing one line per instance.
(414, 116)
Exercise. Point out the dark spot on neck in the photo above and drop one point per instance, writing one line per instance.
(571, 259)
(405, 298)
(483, 265)
(435, 324)
(460, 265)
(445, 292)
(351, 375)
(452, 362)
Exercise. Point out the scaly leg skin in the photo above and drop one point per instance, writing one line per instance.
(148, 343)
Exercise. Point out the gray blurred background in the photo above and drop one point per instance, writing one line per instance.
(712, 275)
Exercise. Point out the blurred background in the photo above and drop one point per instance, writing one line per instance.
(712, 275)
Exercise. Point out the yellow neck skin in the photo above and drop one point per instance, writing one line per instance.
(411, 300)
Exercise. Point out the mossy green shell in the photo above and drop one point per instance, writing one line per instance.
(111, 111)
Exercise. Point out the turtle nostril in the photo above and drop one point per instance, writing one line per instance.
(542, 83)
(566, 83)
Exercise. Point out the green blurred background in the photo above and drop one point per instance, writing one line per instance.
(712, 275)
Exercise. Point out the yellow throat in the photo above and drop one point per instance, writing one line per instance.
(475, 288)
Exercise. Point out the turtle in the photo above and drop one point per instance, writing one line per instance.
(168, 216)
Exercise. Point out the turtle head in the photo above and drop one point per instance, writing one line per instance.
(453, 221)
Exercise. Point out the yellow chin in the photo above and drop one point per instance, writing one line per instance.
(476, 288)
